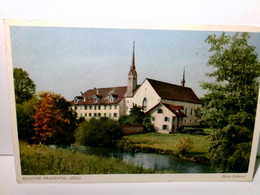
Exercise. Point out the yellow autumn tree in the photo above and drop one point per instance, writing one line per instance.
(54, 121)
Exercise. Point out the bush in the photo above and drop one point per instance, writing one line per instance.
(185, 145)
(103, 132)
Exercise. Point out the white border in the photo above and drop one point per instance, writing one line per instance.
(122, 177)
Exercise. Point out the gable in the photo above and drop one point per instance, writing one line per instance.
(172, 108)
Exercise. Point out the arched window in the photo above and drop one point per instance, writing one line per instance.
(144, 105)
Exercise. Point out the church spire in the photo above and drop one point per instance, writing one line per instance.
(183, 78)
(133, 68)
(132, 77)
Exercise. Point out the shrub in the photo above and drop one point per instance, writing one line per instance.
(185, 145)
(101, 132)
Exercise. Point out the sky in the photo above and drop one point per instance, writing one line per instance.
(72, 60)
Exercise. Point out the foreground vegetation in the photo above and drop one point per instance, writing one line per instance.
(41, 160)
(167, 144)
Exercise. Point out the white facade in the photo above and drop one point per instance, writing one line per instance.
(144, 92)
(97, 111)
(164, 120)
(189, 109)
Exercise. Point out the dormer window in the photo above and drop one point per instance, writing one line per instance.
(77, 99)
(112, 97)
(97, 98)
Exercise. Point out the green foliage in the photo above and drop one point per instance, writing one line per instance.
(185, 145)
(41, 160)
(137, 117)
(103, 132)
(24, 87)
(136, 114)
(165, 143)
(25, 112)
(147, 124)
(230, 104)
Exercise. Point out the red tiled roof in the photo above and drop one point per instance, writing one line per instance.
(174, 92)
(103, 94)
(173, 109)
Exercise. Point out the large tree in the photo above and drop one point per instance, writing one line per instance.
(25, 112)
(230, 104)
(54, 120)
(23, 85)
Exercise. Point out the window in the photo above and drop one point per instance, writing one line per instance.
(173, 119)
(115, 114)
(105, 114)
(95, 99)
(105, 107)
(164, 127)
(109, 114)
(95, 114)
(115, 107)
(99, 114)
(95, 107)
(159, 111)
(85, 107)
(75, 107)
(89, 114)
(153, 118)
(191, 111)
(166, 119)
(110, 107)
(99, 107)
(185, 111)
(144, 105)
(85, 114)
(90, 107)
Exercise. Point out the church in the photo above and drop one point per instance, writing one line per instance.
(171, 106)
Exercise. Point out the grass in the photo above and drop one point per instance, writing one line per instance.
(165, 143)
(41, 160)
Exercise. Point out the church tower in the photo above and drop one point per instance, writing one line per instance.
(132, 77)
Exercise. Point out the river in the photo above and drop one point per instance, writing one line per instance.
(158, 162)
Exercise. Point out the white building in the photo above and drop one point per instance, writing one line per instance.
(170, 106)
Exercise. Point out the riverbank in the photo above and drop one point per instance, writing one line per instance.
(42, 160)
(166, 144)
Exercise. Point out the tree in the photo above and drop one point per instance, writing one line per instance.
(103, 132)
(230, 104)
(137, 117)
(54, 120)
(25, 112)
(23, 85)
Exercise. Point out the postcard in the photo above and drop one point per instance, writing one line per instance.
(133, 103)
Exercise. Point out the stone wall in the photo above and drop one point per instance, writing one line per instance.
(132, 129)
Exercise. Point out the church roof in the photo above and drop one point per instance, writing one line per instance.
(174, 92)
(104, 94)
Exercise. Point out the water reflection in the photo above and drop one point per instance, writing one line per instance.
(158, 162)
